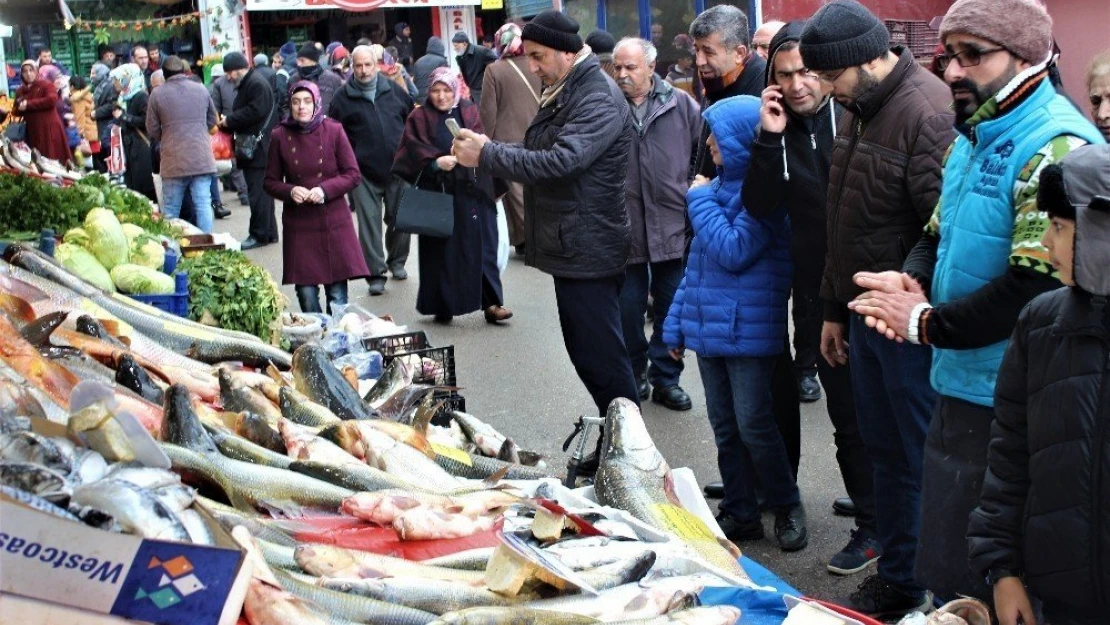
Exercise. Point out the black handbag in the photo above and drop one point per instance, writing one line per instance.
(423, 212)
(247, 145)
(16, 129)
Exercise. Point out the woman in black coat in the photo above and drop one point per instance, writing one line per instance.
(130, 114)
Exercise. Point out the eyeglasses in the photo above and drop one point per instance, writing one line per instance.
(825, 77)
(966, 58)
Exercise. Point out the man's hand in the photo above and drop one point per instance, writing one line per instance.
(447, 163)
(887, 305)
(1011, 602)
(300, 195)
(699, 181)
(772, 117)
(833, 346)
(467, 147)
(677, 353)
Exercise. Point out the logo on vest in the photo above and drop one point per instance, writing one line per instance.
(992, 169)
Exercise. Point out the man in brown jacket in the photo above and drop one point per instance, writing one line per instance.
(510, 100)
(883, 185)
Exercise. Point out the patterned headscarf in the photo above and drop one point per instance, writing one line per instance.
(50, 74)
(317, 111)
(449, 77)
(508, 41)
(131, 77)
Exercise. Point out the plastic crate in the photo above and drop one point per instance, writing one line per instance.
(441, 373)
(917, 36)
(395, 344)
(451, 401)
(176, 304)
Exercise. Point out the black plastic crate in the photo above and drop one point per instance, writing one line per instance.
(395, 344)
(439, 372)
(917, 36)
(451, 401)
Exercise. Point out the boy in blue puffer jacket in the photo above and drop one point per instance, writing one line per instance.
(731, 310)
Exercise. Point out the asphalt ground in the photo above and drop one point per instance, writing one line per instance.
(518, 377)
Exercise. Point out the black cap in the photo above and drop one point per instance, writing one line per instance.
(460, 37)
(234, 61)
(555, 30)
(601, 42)
(843, 34)
(310, 52)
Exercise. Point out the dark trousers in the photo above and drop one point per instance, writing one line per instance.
(851, 455)
(955, 464)
(807, 312)
(376, 209)
(894, 404)
(263, 224)
(661, 280)
(589, 314)
(750, 451)
(785, 405)
(308, 295)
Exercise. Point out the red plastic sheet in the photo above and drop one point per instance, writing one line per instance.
(354, 534)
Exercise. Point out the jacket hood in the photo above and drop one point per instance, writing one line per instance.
(734, 122)
(1087, 181)
(399, 28)
(436, 46)
(792, 31)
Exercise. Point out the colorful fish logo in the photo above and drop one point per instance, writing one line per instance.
(176, 582)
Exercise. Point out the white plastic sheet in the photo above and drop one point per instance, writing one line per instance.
(502, 238)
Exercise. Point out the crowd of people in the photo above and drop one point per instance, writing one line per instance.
(936, 236)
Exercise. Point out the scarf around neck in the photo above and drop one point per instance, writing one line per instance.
(550, 94)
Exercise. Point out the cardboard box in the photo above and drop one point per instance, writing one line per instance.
(23, 611)
(170, 583)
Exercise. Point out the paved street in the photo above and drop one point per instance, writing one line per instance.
(519, 378)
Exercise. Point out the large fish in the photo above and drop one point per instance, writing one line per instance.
(331, 561)
(385, 506)
(644, 599)
(353, 607)
(431, 595)
(54, 380)
(298, 408)
(267, 605)
(514, 615)
(317, 378)
(710, 615)
(634, 476)
(229, 518)
(463, 464)
(135, 509)
(394, 378)
(238, 397)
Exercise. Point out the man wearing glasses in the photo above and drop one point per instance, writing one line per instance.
(883, 185)
(979, 261)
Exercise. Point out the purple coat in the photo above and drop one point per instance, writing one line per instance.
(319, 244)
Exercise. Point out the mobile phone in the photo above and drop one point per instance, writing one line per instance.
(453, 126)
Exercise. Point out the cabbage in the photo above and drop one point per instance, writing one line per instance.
(139, 280)
(84, 265)
(77, 236)
(132, 232)
(149, 253)
(106, 239)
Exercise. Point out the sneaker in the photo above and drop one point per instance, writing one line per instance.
(377, 285)
(809, 389)
(862, 549)
(399, 273)
(790, 528)
(879, 599)
(740, 531)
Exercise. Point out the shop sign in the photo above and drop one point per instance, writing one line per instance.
(351, 5)
(492, 5)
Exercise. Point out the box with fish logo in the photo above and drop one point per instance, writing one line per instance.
(171, 583)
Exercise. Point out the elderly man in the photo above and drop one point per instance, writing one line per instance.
(473, 60)
(761, 38)
(372, 109)
(253, 114)
(573, 163)
(667, 123)
(179, 117)
(980, 260)
(223, 92)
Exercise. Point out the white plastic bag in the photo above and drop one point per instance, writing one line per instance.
(502, 238)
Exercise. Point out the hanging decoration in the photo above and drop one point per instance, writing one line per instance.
(137, 25)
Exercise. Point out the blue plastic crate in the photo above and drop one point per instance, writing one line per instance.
(176, 304)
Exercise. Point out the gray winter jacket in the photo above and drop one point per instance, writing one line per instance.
(179, 116)
(425, 65)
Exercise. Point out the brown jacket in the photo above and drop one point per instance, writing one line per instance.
(509, 104)
(82, 103)
(885, 177)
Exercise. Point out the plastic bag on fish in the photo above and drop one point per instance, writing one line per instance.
(367, 364)
(502, 238)
(340, 532)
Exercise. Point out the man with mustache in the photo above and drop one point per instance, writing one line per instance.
(979, 261)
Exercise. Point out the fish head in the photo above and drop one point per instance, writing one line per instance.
(348, 436)
(181, 425)
(627, 438)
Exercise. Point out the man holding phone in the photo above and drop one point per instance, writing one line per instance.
(789, 171)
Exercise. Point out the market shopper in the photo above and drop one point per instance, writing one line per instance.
(223, 92)
(473, 60)
(731, 311)
(402, 41)
(252, 115)
(435, 58)
(980, 259)
(761, 38)
(130, 114)
(310, 167)
(458, 274)
(104, 102)
(512, 98)
(602, 43)
(36, 101)
(667, 124)
(789, 172)
(309, 68)
(884, 183)
(81, 102)
(1038, 534)
(180, 117)
(1098, 89)
(573, 163)
(372, 110)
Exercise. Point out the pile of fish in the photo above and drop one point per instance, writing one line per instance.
(19, 157)
(275, 452)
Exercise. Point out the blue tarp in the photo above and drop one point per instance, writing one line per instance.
(758, 607)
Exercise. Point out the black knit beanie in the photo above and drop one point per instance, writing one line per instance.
(842, 34)
(554, 30)
(234, 61)
(1052, 195)
(309, 51)
(601, 42)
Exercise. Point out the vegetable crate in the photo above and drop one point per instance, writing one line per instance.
(395, 344)
(176, 304)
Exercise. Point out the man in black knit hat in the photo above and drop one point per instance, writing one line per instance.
(573, 164)
(309, 68)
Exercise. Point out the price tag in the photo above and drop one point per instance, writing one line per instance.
(452, 453)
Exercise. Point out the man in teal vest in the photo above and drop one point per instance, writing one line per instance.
(980, 259)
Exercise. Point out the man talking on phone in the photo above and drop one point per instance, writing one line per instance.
(573, 164)
(789, 171)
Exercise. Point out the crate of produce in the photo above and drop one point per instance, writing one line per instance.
(176, 304)
(395, 344)
(194, 244)
(434, 365)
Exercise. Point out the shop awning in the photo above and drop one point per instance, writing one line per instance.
(352, 5)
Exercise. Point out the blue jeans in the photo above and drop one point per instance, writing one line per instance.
(894, 404)
(749, 446)
(308, 295)
(200, 188)
(662, 280)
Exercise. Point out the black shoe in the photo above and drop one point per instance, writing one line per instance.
(219, 212)
(672, 397)
(520, 250)
(399, 273)
(790, 528)
(809, 389)
(862, 549)
(252, 243)
(880, 600)
(377, 285)
(644, 388)
(844, 506)
(244, 199)
(714, 490)
(739, 531)
(443, 319)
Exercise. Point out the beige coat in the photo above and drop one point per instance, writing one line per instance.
(82, 103)
(509, 103)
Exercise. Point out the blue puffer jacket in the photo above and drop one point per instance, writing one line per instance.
(732, 300)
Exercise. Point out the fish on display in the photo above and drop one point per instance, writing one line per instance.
(352, 607)
(709, 615)
(317, 378)
(424, 523)
(644, 599)
(482, 434)
(431, 595)
(634, 476)
(511, 616)
(14, 422)
(467, 465)
(37, 449)
(35, 479)
(196, 527)
(379, 450)
(279, 556)
(259, 431)
(238, 397)
(298, 408)
(357, 477)
(266, 605)
(136, 510)
(238, 448)
(37, 503)
(51, 378)
(469, 560)
(331, 561)
(385, 506)
(133, 377)
(395, 377)
(229, 518)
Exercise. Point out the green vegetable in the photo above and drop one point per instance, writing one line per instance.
(132, 232)
(145, 250)
(77, 236)
(106, 239)
(83, 264)
(229, 291)
(139, 280)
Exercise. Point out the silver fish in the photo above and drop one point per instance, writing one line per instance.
(37, 503)
(710, 615)
(630, 601)
(351, 607)
(136, 510)
(35, 479)
(431, 595)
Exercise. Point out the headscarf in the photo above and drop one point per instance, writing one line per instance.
(508, 41)
(448, 77)
(317, 111)
(34, 65)
(49, 73)
(131, 77)
(99, 73)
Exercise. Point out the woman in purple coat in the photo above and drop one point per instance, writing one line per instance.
(311, 168)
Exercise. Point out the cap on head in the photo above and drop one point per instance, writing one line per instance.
(601, 42)
(460, 37)
(234, 61)
(843, 34)
(288, 50)
(555, 30)
(1078, 188)
(1023, 27)
(310, 52)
